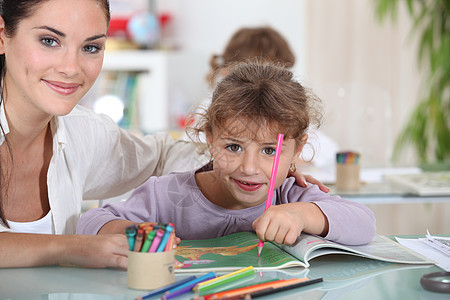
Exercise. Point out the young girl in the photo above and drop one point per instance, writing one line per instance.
(250, 106)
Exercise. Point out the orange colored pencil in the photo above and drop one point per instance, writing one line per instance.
(253, 288)
(170, 242)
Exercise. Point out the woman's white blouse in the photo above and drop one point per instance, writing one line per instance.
(93, 158)
(43, 225)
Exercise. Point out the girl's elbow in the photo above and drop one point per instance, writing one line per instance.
(368, 232)
(371, 232)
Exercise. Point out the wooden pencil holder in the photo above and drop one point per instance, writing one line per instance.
(149, 271)
(347, 176)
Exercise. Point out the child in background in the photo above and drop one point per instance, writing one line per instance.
(249, 108)
(267, 44)
(264, 43)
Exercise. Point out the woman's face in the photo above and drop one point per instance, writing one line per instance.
(55, 56)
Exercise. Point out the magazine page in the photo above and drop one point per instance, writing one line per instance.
(230, 253)
(380, 248)
(304, 245)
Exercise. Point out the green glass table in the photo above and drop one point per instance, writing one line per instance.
(345, 277)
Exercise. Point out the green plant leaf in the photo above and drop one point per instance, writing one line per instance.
(428, 128)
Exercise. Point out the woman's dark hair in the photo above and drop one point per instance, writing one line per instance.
(13, 12)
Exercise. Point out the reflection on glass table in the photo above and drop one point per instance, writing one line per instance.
(345, 277)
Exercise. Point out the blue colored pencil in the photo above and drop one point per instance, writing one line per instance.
(166, 288)
(187, 287)
(165, 239)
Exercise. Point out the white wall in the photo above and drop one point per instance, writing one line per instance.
(374, 63)
(203, 27)
(333, 41)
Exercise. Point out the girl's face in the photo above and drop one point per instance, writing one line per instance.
(243, 163)
(55, 55)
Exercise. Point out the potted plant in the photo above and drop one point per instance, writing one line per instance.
(428, 128)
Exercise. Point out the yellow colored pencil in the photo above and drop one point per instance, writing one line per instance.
(211, 282)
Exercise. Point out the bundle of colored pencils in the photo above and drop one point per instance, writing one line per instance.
(210, 287)
(347, 157)
(151, 237)
(260, 289)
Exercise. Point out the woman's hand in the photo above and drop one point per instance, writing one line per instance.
(95, 251)
(303, 179)
(90, 251)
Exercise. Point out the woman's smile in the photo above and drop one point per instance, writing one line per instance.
(62, 87)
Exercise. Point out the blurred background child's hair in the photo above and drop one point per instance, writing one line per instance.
(261, 92)
(262, 42)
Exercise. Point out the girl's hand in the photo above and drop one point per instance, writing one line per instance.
(303, 179)
(284, 223)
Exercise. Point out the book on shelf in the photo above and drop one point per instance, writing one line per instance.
(240, 250)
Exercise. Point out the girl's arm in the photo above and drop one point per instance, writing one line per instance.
(116, 226)
(30, 250)
(112, 218)
(315, 212)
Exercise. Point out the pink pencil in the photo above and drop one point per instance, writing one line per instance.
(273, 176)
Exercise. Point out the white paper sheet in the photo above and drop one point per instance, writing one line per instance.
(442, 260)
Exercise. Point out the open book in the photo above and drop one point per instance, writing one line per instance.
(240, 250)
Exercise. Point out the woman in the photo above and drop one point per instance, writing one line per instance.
(53, 153)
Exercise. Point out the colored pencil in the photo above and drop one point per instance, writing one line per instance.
(139, 240)
(156, 240)
(165, 239)
(170, 244)
(225, 276)
(245, 281)
(148, 241)
(131, 235)
(253, 288)
(166, 288)
(347, 157)
(187, 287)
(221, 280)
(200, 296)
(266, 290)
(281, 289)
(273, 176)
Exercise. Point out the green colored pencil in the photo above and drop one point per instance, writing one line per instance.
(221, 280)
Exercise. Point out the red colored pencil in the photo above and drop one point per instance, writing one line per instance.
(253, 288)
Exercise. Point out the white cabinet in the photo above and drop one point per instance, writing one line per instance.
(168, 84)
(152, 87)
